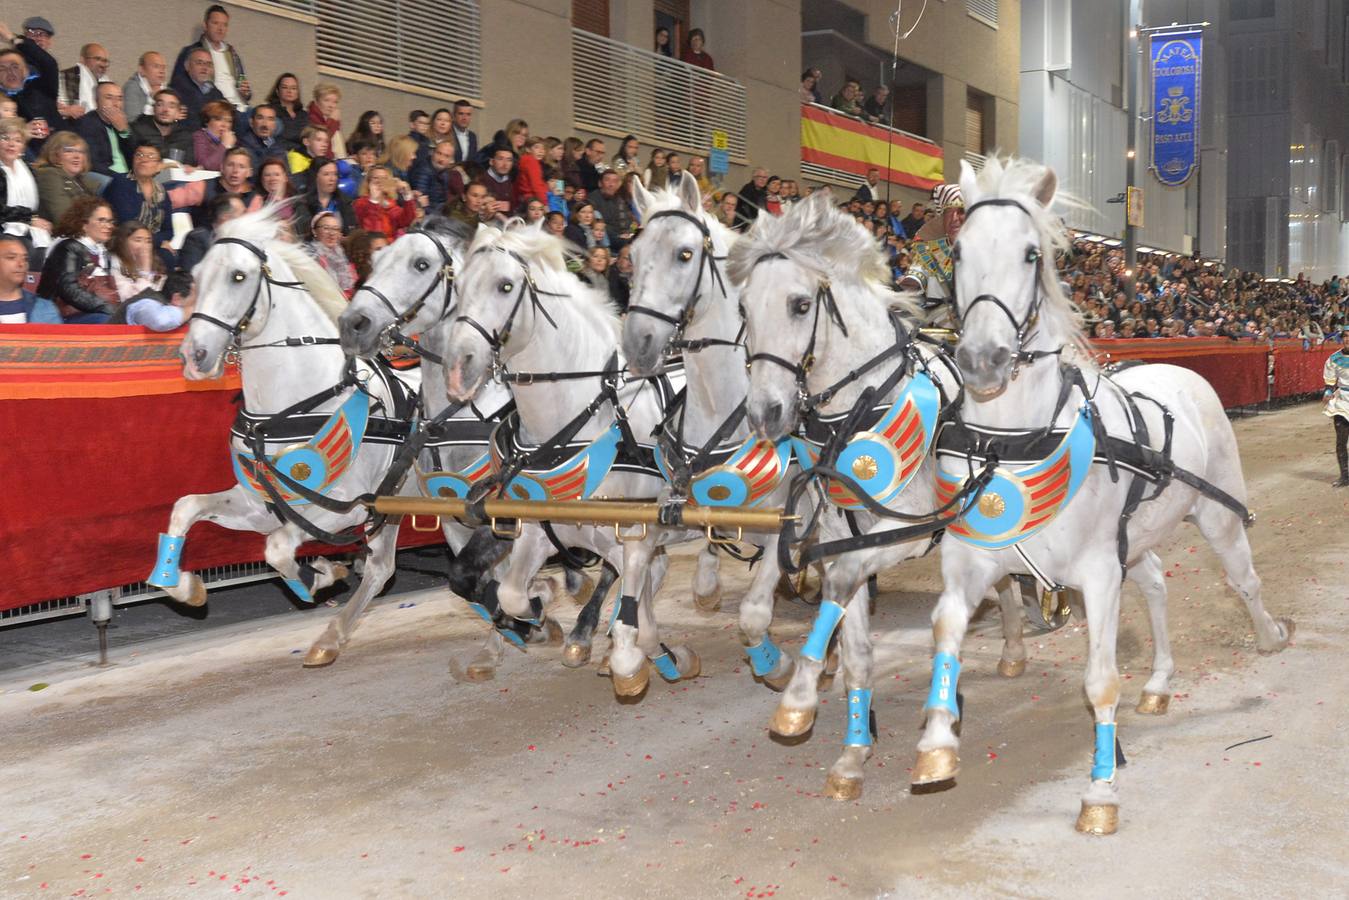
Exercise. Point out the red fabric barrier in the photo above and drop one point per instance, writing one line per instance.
(1238, 370)
(1299, 371)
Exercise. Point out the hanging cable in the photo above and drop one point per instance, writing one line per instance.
(895, 19)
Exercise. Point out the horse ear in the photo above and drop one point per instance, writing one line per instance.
(641, 198)
(818, 203)
(969, 184)
(1045, 187)
(689, 193)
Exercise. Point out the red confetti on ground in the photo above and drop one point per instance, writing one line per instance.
(992, 755)
(86, 856)
(458, 849)
(531, 746)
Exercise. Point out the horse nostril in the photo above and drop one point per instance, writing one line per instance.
(1000, 357)
(964, 358)
(199, 355)
(646, 343)
(360, 324)
(773, 412)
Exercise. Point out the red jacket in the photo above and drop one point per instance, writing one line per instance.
(390, 221)
(529, 183)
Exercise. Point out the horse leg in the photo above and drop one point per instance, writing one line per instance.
(578, 585)
(1226, 533)
(845, 776)
(302, 578)
(576, 652)
(234, 509)
(795, 714)
(628, 666)
(379, 566)
(1101, 594)
(1147, 574)
(767, 662)
(513, 593)
(706, 583)
(938, 749)
(674, 662)
(1013, 661)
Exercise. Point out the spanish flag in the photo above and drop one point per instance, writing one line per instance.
(849, 145)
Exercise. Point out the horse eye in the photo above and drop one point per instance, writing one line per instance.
(237, 277)
(685, 255)
(801, 306)
(506, 287)
(1032, 255)
(421, 265)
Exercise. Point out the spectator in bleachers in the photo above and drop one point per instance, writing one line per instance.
(663, 42)
(160, 309)
(19, 199)
(314, 146)
(846, 100)
(285, 99)
(465, 139)
(75, 92)
(326, 247)
(573, 152)
(151, 77)
(18, 305)
(579, 230)
(625, 160)
(361, 247)
(194, 83)
(752, 196)
(656, 170)
(30, 75)
(402, 154)
(591, 165)
(262, 139)
(876, 109)
(674, 170)
(62, 174)
(726, 212)
(323, 196)
(698, 170)
(620, 277)
(430, 178)
(529, 183)
(772, 201)
(166, 129)
(497, 179)
(323, 112)
(473, 208)
(221, 209)
(419, 128)
(816, 94)
(384, 204)
(596, 270)
(532, 211)
(370, 130)
(555, 223)
(914, 220)
(77, 275)
(553, 151)
(135, 264)
(274, 181)
(613, 208)
(236, 177)
(227, 68)
(215, 136)
(695, 55)
(139, 196)
(871, 191)
(808, 82)
(107, 133)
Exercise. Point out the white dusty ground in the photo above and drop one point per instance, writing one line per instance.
(217, 767)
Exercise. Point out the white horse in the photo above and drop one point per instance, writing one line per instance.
(410, 288)
(681, 300)
(817, 309)
(1047, 506)
(258, 297)
(520, 308)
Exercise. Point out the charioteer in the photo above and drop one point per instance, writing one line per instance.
(1337, 404)
(931, 270)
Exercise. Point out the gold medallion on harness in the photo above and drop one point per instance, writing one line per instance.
(445, 491)
(864, 467)
(300, 471)
(992, 505)
(718, 492)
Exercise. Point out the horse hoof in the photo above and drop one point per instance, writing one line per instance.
(789, 722)
(1011, 668)
(708, 603)
(318, 657)
(603, 669)
(633, 685)
(1098, 818)
(575, 655)
(693, 668)
(1151, 704)
(841, 787)
(479, 672)
(933, 766)
(1288, 628)
(583, 593)
(196, 591)
(779, 683)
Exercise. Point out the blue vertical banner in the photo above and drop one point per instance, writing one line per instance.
(1176, 65)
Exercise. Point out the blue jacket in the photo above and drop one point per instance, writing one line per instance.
(39, 310)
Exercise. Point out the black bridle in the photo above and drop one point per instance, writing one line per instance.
(707, 261)
(237, 329)
(393, 333)
(498, 339)
(824, 298)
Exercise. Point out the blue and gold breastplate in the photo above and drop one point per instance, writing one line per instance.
(573, 473)
(884, 458)
(316, 463)
(1019, 502)
(742, 475)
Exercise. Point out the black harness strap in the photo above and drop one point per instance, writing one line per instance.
(707, 261)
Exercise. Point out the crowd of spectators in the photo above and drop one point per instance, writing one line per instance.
(114, 191)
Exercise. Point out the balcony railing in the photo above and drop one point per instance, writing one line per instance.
(619, 89)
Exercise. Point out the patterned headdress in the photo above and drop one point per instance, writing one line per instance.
(945, 196)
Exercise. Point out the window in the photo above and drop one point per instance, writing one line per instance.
(985, 11)
(300, 6)
(974, 123)
(591, 15)
(431, 46)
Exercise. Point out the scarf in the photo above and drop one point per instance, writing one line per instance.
(319, 120)
(152, 210)
(335, 263)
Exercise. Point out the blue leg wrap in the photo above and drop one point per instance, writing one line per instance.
(482, 611)
(945, 676)
(1103, 764)
(859, 719)
(166, 573)
(299, 589)
(826, 620)
(511, 635)
(763, 656)
(665, 664)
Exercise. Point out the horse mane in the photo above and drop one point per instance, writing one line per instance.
(817, 235)
(269, 228)
(663, 199)
(547, 254)
(1017, 179)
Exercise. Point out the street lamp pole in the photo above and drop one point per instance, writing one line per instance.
(1133, 21)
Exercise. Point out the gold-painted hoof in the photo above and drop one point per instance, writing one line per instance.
(839, 787)
(1153, 704)
(575, 655)
(1098, 818)
(603, 669)
(318, 657)
(480, 672)
(780, 682)
(792, 722)
(633, 685)
(1011, 668)
(708, 603)
(933, 766)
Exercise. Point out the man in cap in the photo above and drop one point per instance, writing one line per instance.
(29, 74)
(931, 271)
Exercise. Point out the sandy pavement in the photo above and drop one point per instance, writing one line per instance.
(218, 767)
